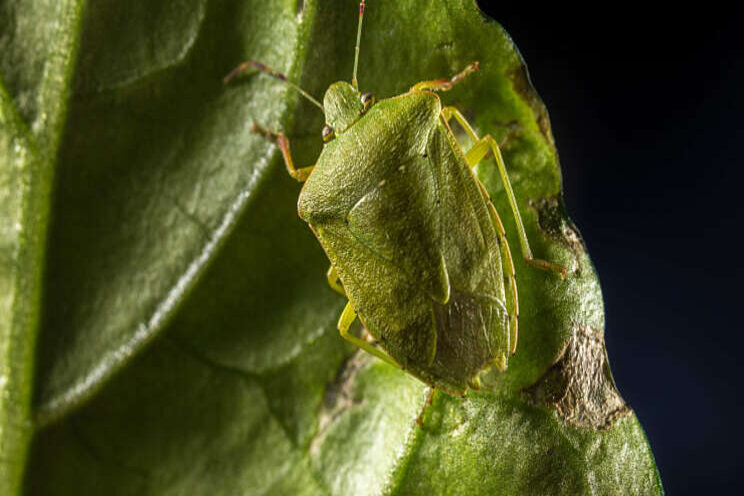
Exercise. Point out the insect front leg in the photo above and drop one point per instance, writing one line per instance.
(282, 142)
(348, 316)
(445, 84)
(332, 277)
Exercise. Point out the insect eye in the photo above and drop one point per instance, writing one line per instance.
(327, 133)
(368, 99)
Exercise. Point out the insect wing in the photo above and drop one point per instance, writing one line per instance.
(472, 327)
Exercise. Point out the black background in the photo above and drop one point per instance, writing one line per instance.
(647, 109)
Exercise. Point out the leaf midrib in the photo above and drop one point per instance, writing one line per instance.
(39, 142)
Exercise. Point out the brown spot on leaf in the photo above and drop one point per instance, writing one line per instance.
(339, 395)
(579, 386)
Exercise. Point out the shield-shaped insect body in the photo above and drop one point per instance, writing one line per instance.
(410, 231)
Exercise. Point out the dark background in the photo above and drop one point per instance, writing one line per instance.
(647, 109)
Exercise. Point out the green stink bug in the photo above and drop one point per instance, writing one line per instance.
(410, 231)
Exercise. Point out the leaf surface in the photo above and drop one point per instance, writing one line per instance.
(165, 323)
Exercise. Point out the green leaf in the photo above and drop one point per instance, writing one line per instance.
(165, 323)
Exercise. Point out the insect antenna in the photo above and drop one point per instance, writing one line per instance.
(271, 72)
(356, 49)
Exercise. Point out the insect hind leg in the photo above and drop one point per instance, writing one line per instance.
(348, 316)
(475, 155)
(480, 149)
(425, 408)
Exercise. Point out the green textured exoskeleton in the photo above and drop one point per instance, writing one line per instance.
(410, 231)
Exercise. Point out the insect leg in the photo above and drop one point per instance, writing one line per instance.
(475, 155)
(344, 323)
(283, 143)
(445, 84)
(332, 276)
(427, 403)
(450, 112)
